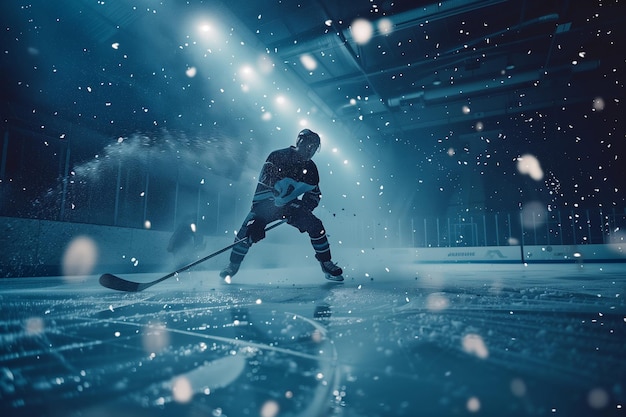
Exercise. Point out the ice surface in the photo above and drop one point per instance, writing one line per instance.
(422, 340)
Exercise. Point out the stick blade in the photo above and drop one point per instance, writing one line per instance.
(120, 284)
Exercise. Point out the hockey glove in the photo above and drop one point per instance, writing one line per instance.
(256, 231)
(293, 210)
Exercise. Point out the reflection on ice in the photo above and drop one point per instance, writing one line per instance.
(34, 326)
(437, 301)
(503, 340)
(155, 338)
(210, 376)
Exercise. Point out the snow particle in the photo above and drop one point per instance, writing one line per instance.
(269, 409)
(518, 387)
(598, 104)
(182, 391)
(474, 344)
(529, 164)
(80, 257)
(34, 326)
(598, 398)
(436, 302)
(473, 404)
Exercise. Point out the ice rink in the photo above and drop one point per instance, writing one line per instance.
(427, 340)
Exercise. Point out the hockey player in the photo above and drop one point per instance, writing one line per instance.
(288, 188)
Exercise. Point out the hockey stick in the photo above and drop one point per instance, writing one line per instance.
(120, 284)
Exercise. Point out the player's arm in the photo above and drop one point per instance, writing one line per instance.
(311, 199)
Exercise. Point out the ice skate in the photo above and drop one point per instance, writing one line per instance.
(331, 271)
(230, 271)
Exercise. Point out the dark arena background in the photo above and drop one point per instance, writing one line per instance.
(472, 177)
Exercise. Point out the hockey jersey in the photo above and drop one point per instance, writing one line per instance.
(285, 176)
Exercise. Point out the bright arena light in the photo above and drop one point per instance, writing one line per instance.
(308, 62)
(281, 100)
(208, 30)
(385, 26)
(247, 71)
(362, 31)
(191, 72)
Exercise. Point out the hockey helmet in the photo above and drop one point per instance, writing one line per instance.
(309, 141)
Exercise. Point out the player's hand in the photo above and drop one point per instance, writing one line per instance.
(292, 210)
(256, 231)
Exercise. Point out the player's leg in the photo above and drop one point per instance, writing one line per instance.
(240, 250)
(254, 223)
(307, 222)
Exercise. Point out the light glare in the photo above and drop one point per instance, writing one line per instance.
(308, 62)
(362, 31)
(385, 26)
